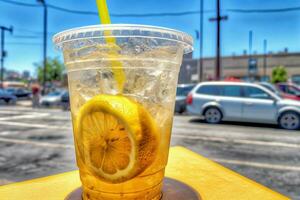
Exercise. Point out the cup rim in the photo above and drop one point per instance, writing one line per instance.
(123, 30)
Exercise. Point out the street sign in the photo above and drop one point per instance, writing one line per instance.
(252, 66)
(195, 77)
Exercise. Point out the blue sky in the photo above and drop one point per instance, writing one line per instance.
(280, 29)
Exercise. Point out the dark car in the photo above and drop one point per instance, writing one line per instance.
(65, 101)
(19, 92)
(278, 92)
(7, 97)
(289, 88)
(181, 94)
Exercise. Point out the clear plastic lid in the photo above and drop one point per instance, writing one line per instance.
(124, 30)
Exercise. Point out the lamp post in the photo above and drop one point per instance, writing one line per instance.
(3, 53)
(44, 43)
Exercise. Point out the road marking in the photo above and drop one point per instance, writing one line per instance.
(259, 165)
(9, 112)
(34, 125)
(29, 116)
(235, 162)
(7, 132)
(37, 143)
(238, 141)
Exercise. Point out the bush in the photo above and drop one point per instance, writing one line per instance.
(279, 74)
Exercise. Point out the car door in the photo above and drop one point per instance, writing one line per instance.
(231, 101)
(258, 105)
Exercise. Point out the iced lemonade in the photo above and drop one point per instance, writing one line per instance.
(122, 133)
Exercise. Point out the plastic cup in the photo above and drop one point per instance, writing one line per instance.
(150, 58)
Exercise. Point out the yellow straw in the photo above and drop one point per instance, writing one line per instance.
(117, 68)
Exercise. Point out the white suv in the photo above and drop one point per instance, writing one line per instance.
(248, 102)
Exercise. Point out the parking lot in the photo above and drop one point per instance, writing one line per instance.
(39, 142)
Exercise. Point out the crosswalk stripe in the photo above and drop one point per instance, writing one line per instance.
(258, 164)
(240, 141)
(37, 143)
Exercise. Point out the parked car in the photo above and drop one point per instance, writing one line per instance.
(289, 88)
(278, 92)
(52, 99)
(247, 102)
(65, 101)
(19, 92)
(181, 93)
(7, 97)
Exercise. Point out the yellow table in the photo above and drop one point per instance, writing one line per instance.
(211, 180)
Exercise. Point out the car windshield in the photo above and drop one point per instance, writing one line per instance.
(10, 89)
(271, 88)
(183, 91)
(56, 93)
(293, 90)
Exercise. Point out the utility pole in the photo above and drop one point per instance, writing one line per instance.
(250, 43)
(3, 53)
(201, 42)
(218, 18)
(44, 43)
(265, 58)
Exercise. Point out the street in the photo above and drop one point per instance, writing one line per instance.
(39, 142)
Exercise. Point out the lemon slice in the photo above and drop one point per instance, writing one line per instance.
(118, 137)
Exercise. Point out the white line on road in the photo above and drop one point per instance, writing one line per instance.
(29, 116)
(235, 162)
(36, 143)
(34, 125)
(9, 112)
(258, 164)
(238, 141)
(213, 139)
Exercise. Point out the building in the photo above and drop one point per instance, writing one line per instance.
(241, 66)
(26, 74)
(12, 75)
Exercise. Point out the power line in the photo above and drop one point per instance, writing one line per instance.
(24, 43)
(28, 30)
(26, 36)
(112, 14)
(129, 14)
(37, 33)
(72, 11)
(264, 10)
(20, 3)
(233, 10)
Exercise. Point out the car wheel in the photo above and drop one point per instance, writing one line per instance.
(181, 110)
(213, 115)
(289, 120)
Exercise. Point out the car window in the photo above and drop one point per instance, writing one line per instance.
(54, 93)
(256, 93)
(209, 89)
(292, 90)
(10, 90)
(183, 91)
(282, 88)
(231, 91)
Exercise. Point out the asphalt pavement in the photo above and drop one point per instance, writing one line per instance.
(39, 142)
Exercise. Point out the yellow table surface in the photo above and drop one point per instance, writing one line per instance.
(211, 180)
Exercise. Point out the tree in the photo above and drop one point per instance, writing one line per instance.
(54, 70)
(279, 74)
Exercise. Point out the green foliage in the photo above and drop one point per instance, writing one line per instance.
(279, 74)
(54, 70)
